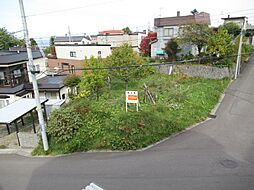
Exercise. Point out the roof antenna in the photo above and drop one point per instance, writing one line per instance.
(69, 32)
(160, 10)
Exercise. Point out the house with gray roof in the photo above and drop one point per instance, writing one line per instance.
(15, 82)
(168, 27)
(74, 40)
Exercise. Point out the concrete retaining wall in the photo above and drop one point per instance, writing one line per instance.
(197, 71)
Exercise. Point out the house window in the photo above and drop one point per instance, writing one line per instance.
(2, 103)
(168, 32)
(180, 31)
(17, 73)
(53, 95)
(73, 54)
(1, 75)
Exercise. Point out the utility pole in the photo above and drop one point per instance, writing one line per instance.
(31, 72)
(238, 62)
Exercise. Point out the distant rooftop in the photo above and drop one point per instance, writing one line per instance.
(51, 82)
(234, 18)
(201, 18)
(68, 39)
(104, 32)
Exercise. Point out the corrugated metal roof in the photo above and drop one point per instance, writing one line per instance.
(51, 82)
(21, 107)
(12, 90)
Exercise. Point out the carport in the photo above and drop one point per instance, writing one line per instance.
(16, 111)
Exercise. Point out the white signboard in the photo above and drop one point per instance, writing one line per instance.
(131, 98)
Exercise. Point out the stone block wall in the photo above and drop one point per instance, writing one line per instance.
(197, 71)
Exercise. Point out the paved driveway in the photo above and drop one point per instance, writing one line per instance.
(216, 155)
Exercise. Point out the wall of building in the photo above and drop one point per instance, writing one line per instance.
(83, 41)
(55, 66)
(55, 95)
(239, 22)
(42, 64)
(64, 52)
(117, 40)
(162, 39)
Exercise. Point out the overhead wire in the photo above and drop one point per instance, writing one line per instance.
(73, 8)
(153, 64)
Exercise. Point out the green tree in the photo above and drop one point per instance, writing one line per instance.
(125, 56)
(127, 30)
(220, 44)
(33, 42)
(51, 41)
(93, 80)
(7, 40)
(22, 42)
(195, 34)
(232, 28)
(51, 49)
(171, 49)
(72, 82)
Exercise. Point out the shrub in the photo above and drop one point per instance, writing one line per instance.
(64, 123)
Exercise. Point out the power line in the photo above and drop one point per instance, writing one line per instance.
(153, 64)
(74, 8)
(243, 10)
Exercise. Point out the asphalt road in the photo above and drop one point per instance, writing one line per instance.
(216, 155)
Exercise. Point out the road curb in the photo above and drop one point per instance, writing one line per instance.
(27, 152)
(215, 109)
(130, 151)
(213, 113)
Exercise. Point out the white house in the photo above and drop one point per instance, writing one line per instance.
(168, 27)
(240, 22)
(117, 37)
(82, 51)
(74, 40)
(237, 20)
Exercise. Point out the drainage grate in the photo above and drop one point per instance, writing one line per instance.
(229, 163)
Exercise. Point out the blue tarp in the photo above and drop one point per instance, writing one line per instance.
(160, 52)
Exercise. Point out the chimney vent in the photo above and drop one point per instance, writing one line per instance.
(178, 13)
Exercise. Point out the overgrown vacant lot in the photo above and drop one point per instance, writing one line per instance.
(88, 124)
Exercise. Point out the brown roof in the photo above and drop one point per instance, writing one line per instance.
(111, 32)
(201, 18)
(234, 18)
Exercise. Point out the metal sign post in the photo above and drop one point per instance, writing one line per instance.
(131, 98)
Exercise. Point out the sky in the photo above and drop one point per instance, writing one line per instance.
(47, 18)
